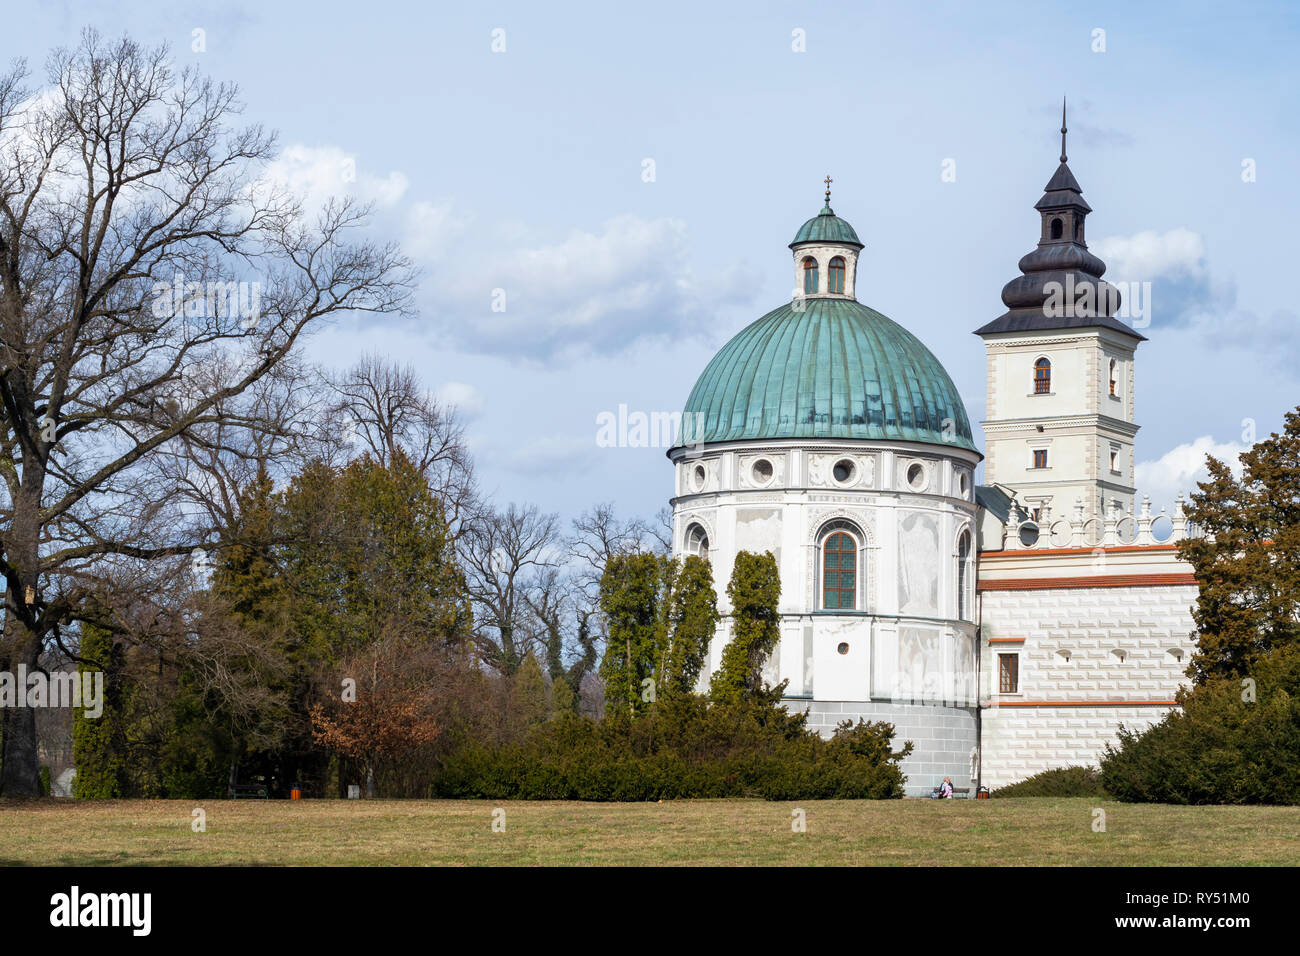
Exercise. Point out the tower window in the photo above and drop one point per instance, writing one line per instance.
(1113, 383)
(839, 572)
(1040, 457)
(836, 275)
(809, 275)
(1114, 459)
(1008, 673)
(1042, 377)
(1058, 228)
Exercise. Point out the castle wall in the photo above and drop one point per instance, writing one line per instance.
(1088, 658)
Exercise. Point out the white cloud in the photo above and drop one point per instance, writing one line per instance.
(592, 291)
(466, 398)
(552, 456)
(1150, 255)
(1180, 468)
(430, 229)
(1178, 287)
(316, 173)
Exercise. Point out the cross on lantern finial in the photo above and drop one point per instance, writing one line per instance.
(1062, 129)
(828, 189)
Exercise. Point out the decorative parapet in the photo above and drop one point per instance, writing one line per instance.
(1118, 529)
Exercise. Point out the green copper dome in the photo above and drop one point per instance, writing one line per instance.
(826, 227)
(835, 370)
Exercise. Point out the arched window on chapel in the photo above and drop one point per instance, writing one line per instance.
(965, 577)
(697, 541)
(840, 567)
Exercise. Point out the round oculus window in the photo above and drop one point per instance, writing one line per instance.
(844, 470)
(762, 471)
(843, 648)
(697, 478)
(916, 476)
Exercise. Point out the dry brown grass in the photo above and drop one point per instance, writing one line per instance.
(1027, 831)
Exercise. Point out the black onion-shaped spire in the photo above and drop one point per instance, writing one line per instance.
(1061, 285)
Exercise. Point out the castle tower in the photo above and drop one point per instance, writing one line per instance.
(1059, 425)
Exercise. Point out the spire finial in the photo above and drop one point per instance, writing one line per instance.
(1062, 129)
(828, 181)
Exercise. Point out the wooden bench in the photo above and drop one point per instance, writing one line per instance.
(956, 792)
(238, 790)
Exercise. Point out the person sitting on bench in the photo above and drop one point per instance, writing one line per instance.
(944, 790)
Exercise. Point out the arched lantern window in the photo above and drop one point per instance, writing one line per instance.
(836, 275)
(809, 275)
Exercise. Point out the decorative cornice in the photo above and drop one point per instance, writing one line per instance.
(1095, 581)
(1045, 552)
(992, 704)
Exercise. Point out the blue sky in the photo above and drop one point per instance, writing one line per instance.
(522, 170)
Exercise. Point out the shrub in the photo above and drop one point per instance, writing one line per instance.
(681, 747)
(1219, 748)
(1059, 782)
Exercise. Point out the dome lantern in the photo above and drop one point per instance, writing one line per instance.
(826, 251)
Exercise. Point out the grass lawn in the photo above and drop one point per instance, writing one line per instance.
(1032, 831)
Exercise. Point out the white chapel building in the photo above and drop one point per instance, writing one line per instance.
(1004, 628)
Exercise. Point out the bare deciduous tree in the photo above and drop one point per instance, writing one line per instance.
(382, 407)
(598, 535)
(503, 552)
(277, 425)
(130, 210)
(563, 626)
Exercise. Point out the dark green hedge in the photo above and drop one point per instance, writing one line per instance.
(1219, 748)
(1059, 782)
(681, 748)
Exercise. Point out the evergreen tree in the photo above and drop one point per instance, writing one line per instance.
(368, 549)
(692, 619)
(1247, 564)
(629, 592)
(530, 702)
(563, 700)
(661, 614)
(249, 587)
(97, 744)
(755, 593)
